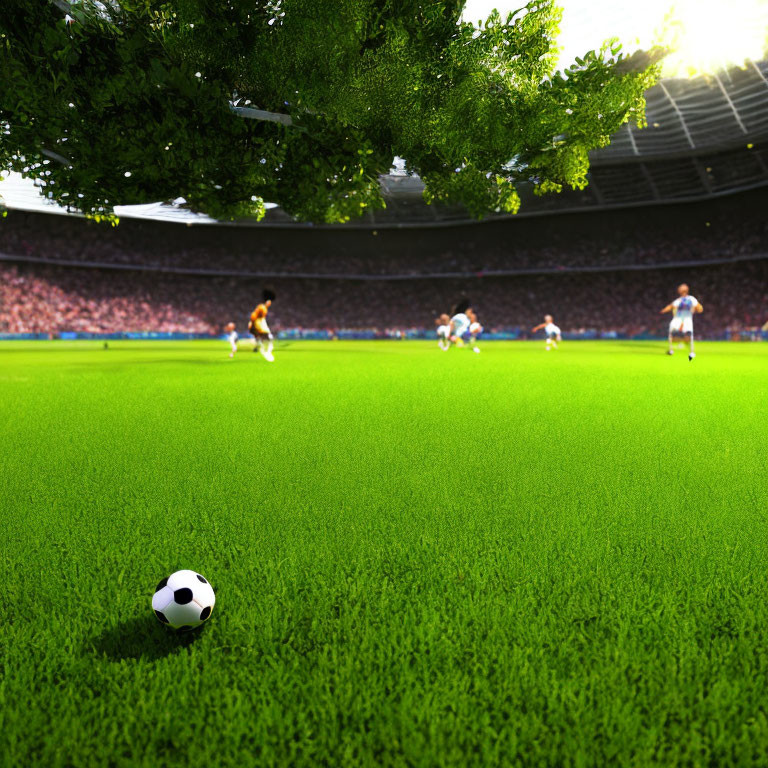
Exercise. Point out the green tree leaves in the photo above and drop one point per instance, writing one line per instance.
(136, 100)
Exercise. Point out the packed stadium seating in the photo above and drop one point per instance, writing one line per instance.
(721, 228)
(44, 299)
(162, 277)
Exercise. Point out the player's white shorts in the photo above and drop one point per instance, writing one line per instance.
(681, 325)
(443, 331)
(475, 328)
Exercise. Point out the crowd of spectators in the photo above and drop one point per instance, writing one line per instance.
(705, 231)
(163, 277)
(38, 298)
(52, 300)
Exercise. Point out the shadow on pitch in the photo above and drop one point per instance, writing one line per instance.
(141, 638)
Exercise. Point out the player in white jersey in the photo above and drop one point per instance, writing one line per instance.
(232, 338)
(551, 330)
(443, 324)
(460, 323)
(475, 329)
(683, 308)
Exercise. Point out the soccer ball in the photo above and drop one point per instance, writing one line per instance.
(184, 600)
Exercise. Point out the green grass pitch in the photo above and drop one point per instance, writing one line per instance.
(420, 558)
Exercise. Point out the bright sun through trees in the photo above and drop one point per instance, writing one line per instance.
(704, 37)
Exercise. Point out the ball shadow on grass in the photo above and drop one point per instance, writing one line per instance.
(141, 638)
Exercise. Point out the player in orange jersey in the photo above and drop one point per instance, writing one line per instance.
(259, 328)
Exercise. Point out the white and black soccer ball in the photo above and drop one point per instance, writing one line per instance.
(184, 600)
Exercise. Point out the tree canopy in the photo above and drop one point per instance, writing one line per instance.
(304, 103)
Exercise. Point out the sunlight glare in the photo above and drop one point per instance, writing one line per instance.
(705, 36)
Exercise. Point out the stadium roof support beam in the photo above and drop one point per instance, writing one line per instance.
(56, 156)
(702, 174)
(679, 114)
(731, 104)
(261, 114)
(596, 191)
(761, 161)
(651, 183)
(632, 139)
(760, 72)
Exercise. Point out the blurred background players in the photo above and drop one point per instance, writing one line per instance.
(681, 324)
(263, 339)
(475, 329)
(443, 323)
(460, 323)
(232, 338)
(551, 330)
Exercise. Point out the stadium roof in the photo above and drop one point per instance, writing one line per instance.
(706, 136)
(698, 115)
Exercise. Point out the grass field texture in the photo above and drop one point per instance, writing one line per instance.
(420, 558)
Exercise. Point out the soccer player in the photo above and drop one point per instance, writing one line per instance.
(263, 339)
(683, 309)
(459, 323)
(443, 331)
(232, 338)
(551, 330)
(475, 329)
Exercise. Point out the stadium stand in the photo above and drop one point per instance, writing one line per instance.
(606, 271)
(44, 299)
(725, 228)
